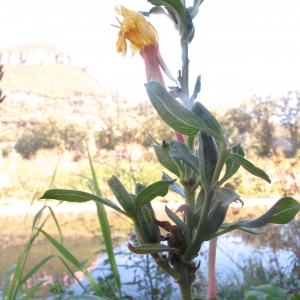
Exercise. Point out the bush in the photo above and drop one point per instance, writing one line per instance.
(27, 144)
(51, 133)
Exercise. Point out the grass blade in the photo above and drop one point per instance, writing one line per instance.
(35, 268)
(102, 217)
(73, 260)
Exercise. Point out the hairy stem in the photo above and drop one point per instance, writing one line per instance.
(185, 68)
(200, 232)
(185, 284)
(190, 201)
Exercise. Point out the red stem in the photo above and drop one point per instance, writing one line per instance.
(212, 294)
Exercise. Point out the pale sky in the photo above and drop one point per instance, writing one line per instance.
(240, 48)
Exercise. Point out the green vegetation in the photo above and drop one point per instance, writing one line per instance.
(48, 137)
(198, 159)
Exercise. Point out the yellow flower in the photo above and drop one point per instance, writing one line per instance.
(143, 38)
(136, 29)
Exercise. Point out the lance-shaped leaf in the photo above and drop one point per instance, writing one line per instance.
(165, 159)
(216, 216)
(123, 197)
(285, 210)
(231, 166)
(173, 113)
(197, 90)
(208, 119)
(183, 153)
(180, 224)
(208, 158)
(230, 227)
(151, 248)
(175, 187)
(159, 188)
(215, 219)
(226, 196)
(147, 231)
(79, 196)
(250, 167)
(282, 212)
(175, 9)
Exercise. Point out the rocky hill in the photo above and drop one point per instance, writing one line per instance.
(33, 54)
(42, 70)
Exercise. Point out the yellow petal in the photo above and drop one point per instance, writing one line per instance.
(135, 29)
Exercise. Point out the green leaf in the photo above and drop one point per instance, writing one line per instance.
(283, 211)
(286, 209)
(180, 224)
(72, 259)
(29, 294)
(165, 159)
(197, 90)
(249, 167)
(7, 280)
(151, 248)
(226, 196)
(146, 232)
(231, 166)
(35, 268)
(147, 214)
(230, 227)
(175, 187)
(175, 8)
(173, 113)
(183, 153)
(215, 219)
(266, 291)
(208, 158)
(154, 141)
(209, 120)
(159, 188)
(138, 188)
(104, 225)
(122, 195)
(80, 197)
(85, 297)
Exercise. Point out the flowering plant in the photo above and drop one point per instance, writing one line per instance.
(200, 160)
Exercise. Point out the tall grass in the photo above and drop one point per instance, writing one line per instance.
(12, 289)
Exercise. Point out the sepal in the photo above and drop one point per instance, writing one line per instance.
(121, 194)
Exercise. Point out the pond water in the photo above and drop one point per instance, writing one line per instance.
(232, 257)
(275, 249)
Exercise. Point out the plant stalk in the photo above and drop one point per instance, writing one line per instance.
(200, 232)
(185, 284)
(185, 68)
(212, 293)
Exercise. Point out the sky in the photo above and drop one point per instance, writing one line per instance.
(240, 48)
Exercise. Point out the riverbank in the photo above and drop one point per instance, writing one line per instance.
(21, 207)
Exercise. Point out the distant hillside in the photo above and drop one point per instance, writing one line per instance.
(52, 81)
(43, 70)
(31, 48)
